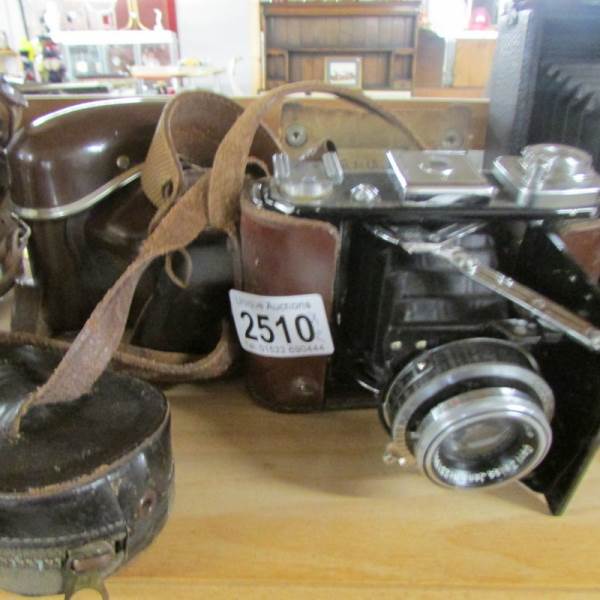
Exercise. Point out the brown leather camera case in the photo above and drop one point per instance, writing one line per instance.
(284, 256)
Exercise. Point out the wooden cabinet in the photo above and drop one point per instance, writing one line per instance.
(473, 62)
(462, 62)
(299, 38)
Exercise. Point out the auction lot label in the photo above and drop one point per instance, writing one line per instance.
(281, 326)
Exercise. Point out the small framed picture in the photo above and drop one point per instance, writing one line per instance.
(344, 71)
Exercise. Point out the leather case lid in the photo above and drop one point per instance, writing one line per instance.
(72, 153)
(61, 445)
(86, 485)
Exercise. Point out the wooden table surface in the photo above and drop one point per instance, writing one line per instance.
(301, 506)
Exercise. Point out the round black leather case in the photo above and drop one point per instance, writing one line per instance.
(87, 484)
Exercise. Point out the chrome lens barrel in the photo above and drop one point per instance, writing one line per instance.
(482, 438)
(472, 413)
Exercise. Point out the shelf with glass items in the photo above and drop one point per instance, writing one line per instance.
(100, 54)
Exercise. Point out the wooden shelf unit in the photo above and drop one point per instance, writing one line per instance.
(298, 37)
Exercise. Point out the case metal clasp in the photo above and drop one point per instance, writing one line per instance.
(87, 567)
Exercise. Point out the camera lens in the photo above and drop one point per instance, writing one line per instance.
(482, 438)
(473, 413)
(479, 440)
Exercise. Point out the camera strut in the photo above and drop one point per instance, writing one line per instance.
(444, 244)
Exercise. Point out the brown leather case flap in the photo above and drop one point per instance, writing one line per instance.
(582, 239)
(283, 256)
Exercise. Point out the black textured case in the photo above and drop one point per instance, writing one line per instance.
(86, 486)
(533, 33)
(512, 85)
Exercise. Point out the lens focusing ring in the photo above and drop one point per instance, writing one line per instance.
(464, 383)
(479, 407)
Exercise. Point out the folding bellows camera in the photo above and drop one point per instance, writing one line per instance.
(449, 296)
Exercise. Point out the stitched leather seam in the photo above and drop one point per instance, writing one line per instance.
(16, 562)
(65, 538)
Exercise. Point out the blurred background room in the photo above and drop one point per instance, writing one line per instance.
(392, 49)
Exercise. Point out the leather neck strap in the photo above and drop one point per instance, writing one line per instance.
(191, 128)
